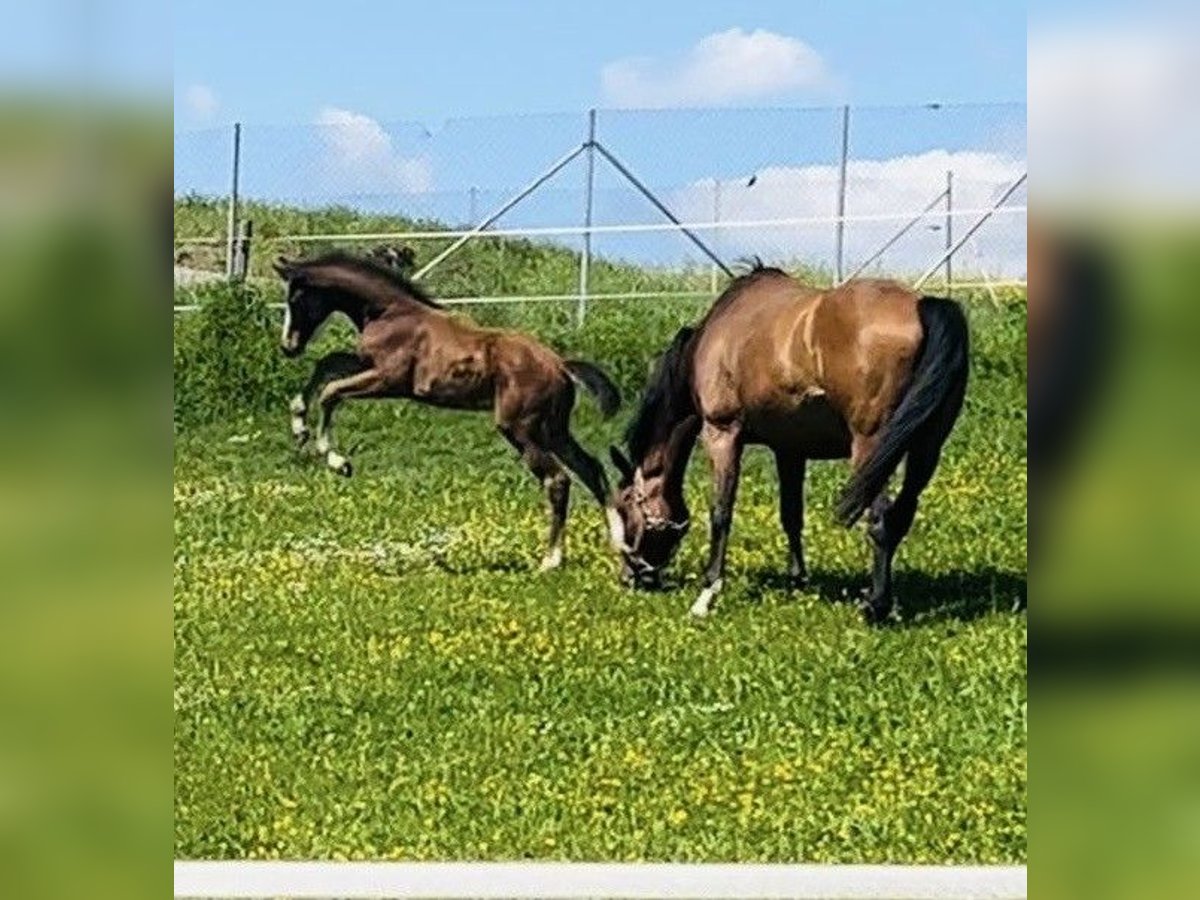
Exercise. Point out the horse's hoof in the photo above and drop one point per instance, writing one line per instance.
(345, 469)
(301, 438)
(874, 614)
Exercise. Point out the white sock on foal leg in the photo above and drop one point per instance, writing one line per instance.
(298, 410)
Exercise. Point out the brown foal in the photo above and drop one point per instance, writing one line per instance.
(410, 347)
(868, 370)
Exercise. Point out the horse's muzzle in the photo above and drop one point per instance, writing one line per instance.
(640, 577)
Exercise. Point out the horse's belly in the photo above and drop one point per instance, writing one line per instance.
(810, 427)
(461, 384)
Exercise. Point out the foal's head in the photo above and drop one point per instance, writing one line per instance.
(305, 309)
(341, 282)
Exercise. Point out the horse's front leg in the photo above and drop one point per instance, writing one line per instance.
(362, 384)
(330, 366)
(724, 446)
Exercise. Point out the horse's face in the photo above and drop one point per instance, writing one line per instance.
(654, 527)
(303, 312)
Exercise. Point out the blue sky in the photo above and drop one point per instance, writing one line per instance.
(399, 89)
(275, 62)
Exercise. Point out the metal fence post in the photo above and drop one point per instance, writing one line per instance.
(231, 225)
(841, 197)
(585, 258)
(712, 269)
(949, 231)
(245, 236)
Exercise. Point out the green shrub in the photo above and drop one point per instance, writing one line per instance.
(226, 356)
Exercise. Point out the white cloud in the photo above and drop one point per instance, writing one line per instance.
(201, 102)
(363, 158)
(725, 67)
(1114, 113)
(902, 185)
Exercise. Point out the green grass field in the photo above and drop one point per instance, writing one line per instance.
(372, 668)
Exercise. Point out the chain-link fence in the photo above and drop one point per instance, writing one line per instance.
(620, 202)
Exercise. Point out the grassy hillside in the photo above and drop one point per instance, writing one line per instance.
(487, 266)
(372, 668)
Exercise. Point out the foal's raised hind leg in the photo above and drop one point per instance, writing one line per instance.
(362, 384)
(328, 367)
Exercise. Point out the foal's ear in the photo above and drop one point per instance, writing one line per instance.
(624, 466)
(284, 267)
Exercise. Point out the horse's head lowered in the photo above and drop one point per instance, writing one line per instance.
(649, 498)
(655, 520)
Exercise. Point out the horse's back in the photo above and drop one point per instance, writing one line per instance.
(794, 364)
(867, 335)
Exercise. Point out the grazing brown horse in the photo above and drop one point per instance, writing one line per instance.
(869, 370)
(411, 347)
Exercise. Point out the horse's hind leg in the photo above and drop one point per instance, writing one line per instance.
(592, 474)
(888, 521)
(558, 492)
(328, 367)
(791, 511)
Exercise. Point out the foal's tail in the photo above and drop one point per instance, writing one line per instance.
(592, 377)
(938, 384)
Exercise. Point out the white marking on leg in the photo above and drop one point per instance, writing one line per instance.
(322, 443)
(287, 324)
(553, 559)
(616, 528)
(335, 460)
(703, 605)
(298, 410)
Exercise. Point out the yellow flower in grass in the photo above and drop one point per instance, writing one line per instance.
(677, 817)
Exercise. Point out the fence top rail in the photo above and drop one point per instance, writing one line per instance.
(564, 230)
(432, 126)
(631, 295)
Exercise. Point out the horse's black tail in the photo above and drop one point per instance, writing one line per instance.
(938, 383)
(592, 377)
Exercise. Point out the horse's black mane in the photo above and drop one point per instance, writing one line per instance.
(666, 392)
(372, 269)
(667, 399)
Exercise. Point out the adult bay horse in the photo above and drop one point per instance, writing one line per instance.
(868, 370)
(411, 347)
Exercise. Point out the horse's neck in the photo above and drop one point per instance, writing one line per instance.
(360, 310)
(672, 452)
(353, 307)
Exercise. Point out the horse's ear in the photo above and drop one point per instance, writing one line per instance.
(624, 466)
(284, 267)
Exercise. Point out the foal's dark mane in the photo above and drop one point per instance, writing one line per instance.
(668, 396)
(372, 271)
